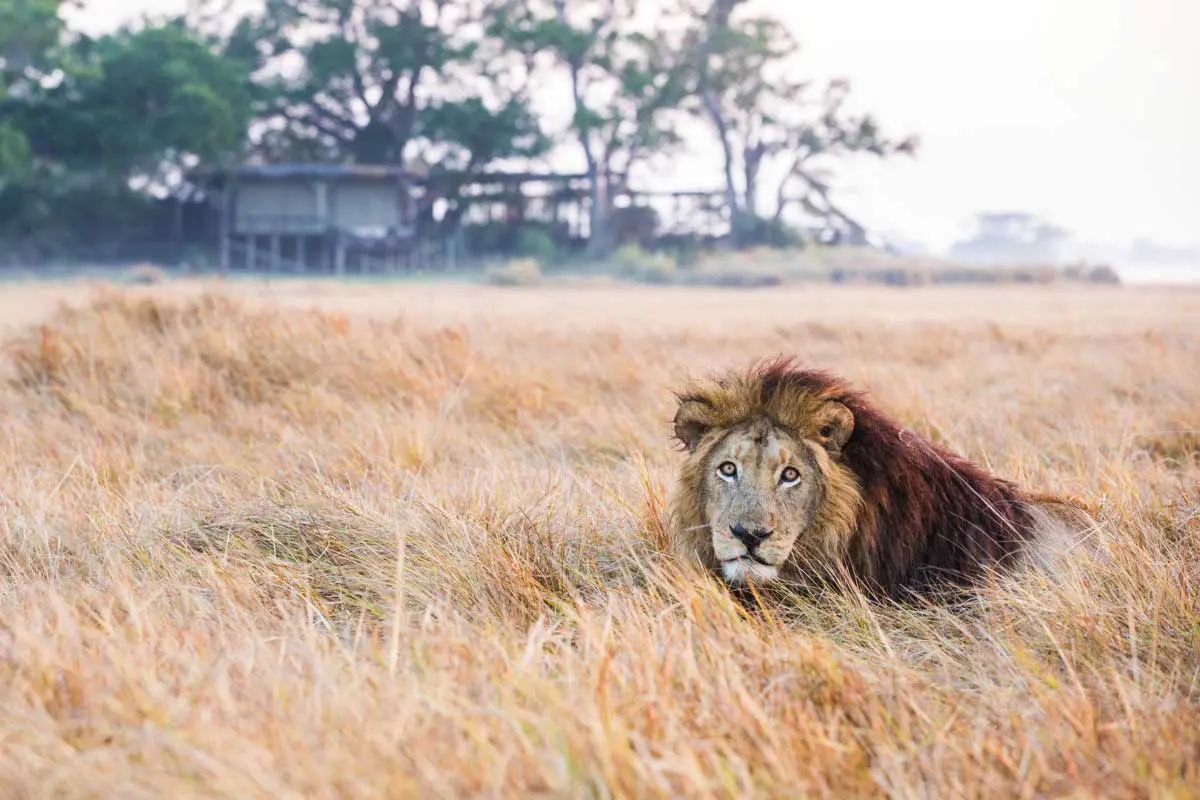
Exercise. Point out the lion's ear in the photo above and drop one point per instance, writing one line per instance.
(691, 423)
(834, 424)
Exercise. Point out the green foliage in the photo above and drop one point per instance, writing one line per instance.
(186, 100)
(472, 135)
(634, 225)
(47, 216)
(633, 261)
(29, 34)
(770, 232)
(384, 82)
(14, 154)
(529, 239)
(517, 272)
(136, 106)
(536, 244)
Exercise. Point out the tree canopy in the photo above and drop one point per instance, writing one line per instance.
(29, 38)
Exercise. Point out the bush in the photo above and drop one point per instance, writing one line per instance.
(641, 265)
(518, 272)
(737, 279)
(534, 243)
(633, 225)
(769, 232)
(146, 275)
(1104, 274)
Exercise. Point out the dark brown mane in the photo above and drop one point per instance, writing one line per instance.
(928, 516)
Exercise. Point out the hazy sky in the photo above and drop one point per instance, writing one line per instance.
(1084, 111)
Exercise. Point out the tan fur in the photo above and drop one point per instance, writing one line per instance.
(1064, 526)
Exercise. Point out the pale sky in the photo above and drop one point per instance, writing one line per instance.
(1084, 111)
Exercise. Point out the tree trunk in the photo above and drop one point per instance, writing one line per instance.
(751, 165)
(718, 17)
(597, 245)
(731, 193)
(597, 219)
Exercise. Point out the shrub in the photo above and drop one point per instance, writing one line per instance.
(1104, 274)
(146, 275)
(641, 265)
(534, 243)
(517, 272)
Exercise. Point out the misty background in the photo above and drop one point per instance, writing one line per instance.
(1072, 123)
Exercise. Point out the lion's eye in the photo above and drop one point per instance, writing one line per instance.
(789, 475)
(728, 469)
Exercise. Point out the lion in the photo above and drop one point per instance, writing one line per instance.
(790, 474)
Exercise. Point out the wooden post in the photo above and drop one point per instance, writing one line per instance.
(274, 265)
(251, 252)
(322, 202)
(301, 255)
(224, 223)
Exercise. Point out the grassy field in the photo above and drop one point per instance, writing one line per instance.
(204, 491)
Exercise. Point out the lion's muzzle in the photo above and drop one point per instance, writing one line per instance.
(750, 564)
(751, 537)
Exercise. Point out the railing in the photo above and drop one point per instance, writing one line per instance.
(248, 254)
(302, 225)
(283, 224)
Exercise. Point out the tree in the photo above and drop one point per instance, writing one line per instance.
(132, 111)
(190, 104)
(813, 148)
(357, 71)
(460, 138)
(30, 32)
(760, 111)
(626, 85)
(367, 81)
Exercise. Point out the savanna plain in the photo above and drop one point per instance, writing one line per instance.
(335, 540)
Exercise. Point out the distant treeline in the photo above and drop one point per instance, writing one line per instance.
(96, 132)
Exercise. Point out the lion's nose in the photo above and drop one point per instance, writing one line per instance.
(752, 537)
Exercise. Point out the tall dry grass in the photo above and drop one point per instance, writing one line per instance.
(212, 505)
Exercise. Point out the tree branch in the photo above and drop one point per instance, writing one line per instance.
(831, 209)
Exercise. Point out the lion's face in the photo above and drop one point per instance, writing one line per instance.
(763, 494)
(763, 489)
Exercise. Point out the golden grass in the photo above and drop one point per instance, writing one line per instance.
(204, 493)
